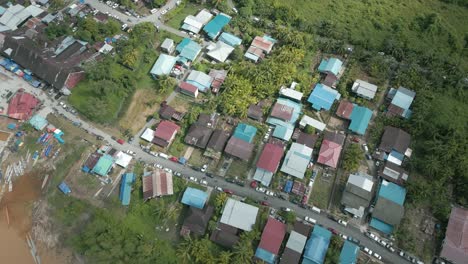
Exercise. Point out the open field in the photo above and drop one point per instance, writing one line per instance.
(321, 190)
(178, 18)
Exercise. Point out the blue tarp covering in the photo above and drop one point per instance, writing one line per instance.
(288, 186)
(194, 197)
(349, 253)
(11, 126)
(126, 188)
(85, 169)
(264, 255)
(64, 188)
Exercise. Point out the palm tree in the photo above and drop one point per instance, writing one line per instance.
(185, 249)
(224, 257)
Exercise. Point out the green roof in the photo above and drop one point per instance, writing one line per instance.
(245, 132)
(104, 165)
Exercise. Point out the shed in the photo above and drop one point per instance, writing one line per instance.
(148, 135)
(230, 39)
(168, 45)
(194, 197)
(38, 122)
(332, 65)
(64, 188)
(188, 89)
(122, 159)
(126, 188)
(323, 97)
(364, 89)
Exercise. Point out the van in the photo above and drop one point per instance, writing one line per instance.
(366, 149)
(316, 209)
(310, 220)
(163, 155)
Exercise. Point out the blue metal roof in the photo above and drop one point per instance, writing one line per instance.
(360, 117)
(392, 192)
(332, 65)
(403, 98)
(349, 253)
(38, 122)
(188, 49)
(194, 197)
(264, 255)
(126, 188)
(230, 39)
(214, 27)
(317, 246)
(245, 132)
(64, 188)
(323, 97)
(163, 65)
(381, 226)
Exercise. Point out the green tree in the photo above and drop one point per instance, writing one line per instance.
(352, 156)
(309, 129)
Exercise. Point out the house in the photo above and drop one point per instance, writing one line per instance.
(358, 194)
(15, 15)
(163, 65)
(196, 221)
(239, 215)
(331, 66)
(393, 173)
(345, 108)
(349, 253)
(395, 144)
(291, 94)
(259, 48)
(198, 135)
(230, 39)
(218, 79)
(126, 188)
(225, 235)
(270, 242)
(219, 51)
(38, 122)
(245, 132)
(200, 79)
(388, 210)
(165, 133)
(296, 161)
(283, 117)
(330, 150)
(195, 23)
(401, 102)
(317, 246)
(148, 135)
(22, 105)
(216, 144)
(307, 139)
(364, 89)
(323, 97)
(330, 80)
(103, 166)
(214, 27)
(254, 54)
(91, 161)
(239, 148)
(157, 183)
(122, 159)
(168, 46)
(454, 246)
(309, 121)
(268, 163)
(255, 112)
(297, 239)
(188, 50)
(360, 118)
(168, 112)
(188, 89)
(194, 198)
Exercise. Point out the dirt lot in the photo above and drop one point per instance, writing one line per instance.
(4, 135)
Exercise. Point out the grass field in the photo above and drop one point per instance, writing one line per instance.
(178, 18)
(321, 191)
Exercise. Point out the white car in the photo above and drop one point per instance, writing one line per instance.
(193, 179)
(383, 243)
(204, 167)
(270, 193)
(345, 237)
(163, 12)
(154, 10)
(130, 152)
(159, 166)
(260, 189)
(368, 251)
(286, 209)
(377, 256)
(124, 26)
(218, 188)
(341, 222)
(203, 182)
(167, 170)
(310, 220)
(178, 174)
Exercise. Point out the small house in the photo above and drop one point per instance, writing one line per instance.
(200, 79)
(331, 66)
(163, 65)
(317, 246)
(330, 150)
(388, 210)
(297, 160)
(165, 133)
(188, 89)
(364, 89)
(168, 46)
(214, 27)
(323, 97)
(358, 194)
(271, 240)
(268, 163)
(194, 197)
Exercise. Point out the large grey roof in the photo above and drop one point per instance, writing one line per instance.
(296, 242)
(239, 214)
(388, 211)
(395, 139)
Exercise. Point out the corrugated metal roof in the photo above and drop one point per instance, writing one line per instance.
(360, 118)
(194, 197)
(307, 120)
(270, 158)
(349, 253)
(214, 27)
(245, 132)
(332, 65)
(317, 246)
(103, 165)
(126, 188)
(296, 161)
(296, 242)
(230, 39)
(272, 236)
(163, 65)
(392, 192)
(322, 97)
(239, 214)
(364, 89)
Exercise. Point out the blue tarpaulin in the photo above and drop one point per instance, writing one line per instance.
(288, 186)
(64, 188)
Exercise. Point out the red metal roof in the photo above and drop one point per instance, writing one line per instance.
(329, 153)
(74, 78)
(21, 106)
(188, 87)
(163, 182)
(166, 130)
(282, 112)
(272, 236)
(455, 247)
(262, 43)
(344, 109)
(270, 158)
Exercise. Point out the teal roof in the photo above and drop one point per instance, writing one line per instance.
(381, 226)
(38, 122)
(332, 65)
(188, 49)
(283, 129)
(2, 10)
(272, 40)
(392, 192)
(194, 197)
(104, 165)
(245, 132)
(403, 98)
(126, 188)
(163, 65)
(264, 255)
(360, 118)
(317, 246)
(214, 27)
(349, 253)
(230, 39)
(322, 97)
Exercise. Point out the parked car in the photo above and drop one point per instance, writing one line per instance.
(174, 159)
(333, 231)
(377, 256)
(341, 222)
(219, 189)
(345, 237)
(368, 251)
(270, 193)
(354, 240)
(240, 183)
(230, 180)
(203, 182)
(264, 203)
(193, 179)
(228, 191)
(366, 149)
(99, 137)
(163, 12)
(178, 174)
(260, 189)
(253, 184)
(167, 170)
(391, 249)
(286, 209)
(210, 175)
(383, 243)
(159, 166)
(310, 220)
(368, 156)
(204, 167)
(120, 141)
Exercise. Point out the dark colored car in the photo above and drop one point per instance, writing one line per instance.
(209, 175)
(354, 240)
(264, 203)
(333, 231)
(228, 191)
(240, 183)
(230, 180)
(99, 137)
(332, 217)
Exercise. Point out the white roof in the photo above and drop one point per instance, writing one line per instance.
(167, 44)
(239, 214)
(291, 93)
(361, 180)
(394, 159)
(296, 242)
(364, 89)
(204, 16)
(106, 49)
(193, 22)
(297, 159)
(307, 120)
(148, 135)
(220, 51)
(122, 159)
(17, 14)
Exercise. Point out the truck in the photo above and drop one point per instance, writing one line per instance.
(163, 155)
